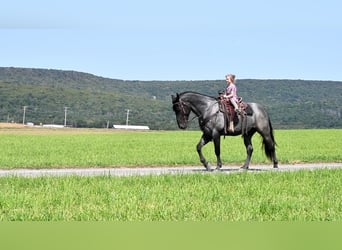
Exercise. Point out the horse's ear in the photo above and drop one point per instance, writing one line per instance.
(175, 98)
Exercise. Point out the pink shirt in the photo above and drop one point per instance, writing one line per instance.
(231, 89)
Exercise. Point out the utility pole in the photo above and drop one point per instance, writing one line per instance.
(65, 115)
(127, 117)
(24, 114)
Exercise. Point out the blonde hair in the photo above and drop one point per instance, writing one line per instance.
(231, 77)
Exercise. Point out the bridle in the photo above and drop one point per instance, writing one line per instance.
(181, 106)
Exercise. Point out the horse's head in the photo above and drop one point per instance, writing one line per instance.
(182, 111)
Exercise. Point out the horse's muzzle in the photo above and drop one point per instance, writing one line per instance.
(182, 126)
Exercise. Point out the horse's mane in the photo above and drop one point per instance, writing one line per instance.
(196, 93)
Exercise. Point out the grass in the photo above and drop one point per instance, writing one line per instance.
(266, 196)
(284, 196)
(46, 148)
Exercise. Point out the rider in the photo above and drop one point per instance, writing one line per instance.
(231, 95)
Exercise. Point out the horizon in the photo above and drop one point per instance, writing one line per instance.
(156, 80)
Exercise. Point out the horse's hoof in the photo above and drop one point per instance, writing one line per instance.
(275, 164)
(244, 167)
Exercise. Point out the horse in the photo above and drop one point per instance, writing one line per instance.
(212, 123)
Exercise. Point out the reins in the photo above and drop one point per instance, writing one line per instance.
(202, 122)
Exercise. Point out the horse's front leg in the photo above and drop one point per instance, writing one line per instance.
(204, 140)
(217, 144)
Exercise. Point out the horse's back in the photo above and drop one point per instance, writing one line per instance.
(258, 109)
(260, 116)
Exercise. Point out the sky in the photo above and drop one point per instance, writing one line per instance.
(177, 39)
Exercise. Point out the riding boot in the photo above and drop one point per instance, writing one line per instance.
(231, 127)
(238, 111)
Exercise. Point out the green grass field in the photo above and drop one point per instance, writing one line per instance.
(245, 196)
(46, 148)
(284, 196)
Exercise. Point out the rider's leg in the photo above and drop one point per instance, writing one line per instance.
(236, 107)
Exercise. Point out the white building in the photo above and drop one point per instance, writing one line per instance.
(133, 127)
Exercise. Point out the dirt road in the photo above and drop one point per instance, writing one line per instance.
(159, 170)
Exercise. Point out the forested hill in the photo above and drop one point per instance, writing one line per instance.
(93, 101)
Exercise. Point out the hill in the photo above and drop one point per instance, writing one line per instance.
(93, 101)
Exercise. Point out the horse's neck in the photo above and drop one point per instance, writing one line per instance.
(201, 106)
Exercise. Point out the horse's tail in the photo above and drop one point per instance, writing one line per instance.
(269, 142)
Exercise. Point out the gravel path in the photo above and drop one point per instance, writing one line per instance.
(158, 170)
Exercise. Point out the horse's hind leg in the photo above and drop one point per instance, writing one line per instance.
(204, 140)
(247, 139)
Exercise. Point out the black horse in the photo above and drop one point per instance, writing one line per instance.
(211, 121)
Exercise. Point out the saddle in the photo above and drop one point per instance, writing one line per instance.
(227, 108)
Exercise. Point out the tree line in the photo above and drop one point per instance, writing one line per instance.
(94, 101)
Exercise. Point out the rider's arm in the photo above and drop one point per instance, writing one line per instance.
(232, 93)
